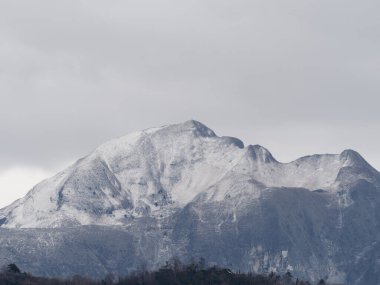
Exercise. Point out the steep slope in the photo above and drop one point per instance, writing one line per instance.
(181, 190)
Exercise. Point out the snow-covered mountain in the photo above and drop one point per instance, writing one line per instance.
(198, 194)
(156, 171)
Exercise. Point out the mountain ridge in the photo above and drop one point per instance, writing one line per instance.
(144, 172)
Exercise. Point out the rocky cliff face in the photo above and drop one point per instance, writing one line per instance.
(181, 190)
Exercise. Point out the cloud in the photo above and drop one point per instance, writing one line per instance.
(16, 182)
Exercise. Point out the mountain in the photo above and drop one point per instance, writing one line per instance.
(181, 190)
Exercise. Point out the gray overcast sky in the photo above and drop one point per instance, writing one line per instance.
(298, 77)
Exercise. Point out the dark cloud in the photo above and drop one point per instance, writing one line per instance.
(296, 76)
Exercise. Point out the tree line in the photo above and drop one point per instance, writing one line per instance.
(173, 273)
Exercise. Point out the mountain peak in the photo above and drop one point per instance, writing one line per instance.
(259, 152)
(196, 126)
(352, 157)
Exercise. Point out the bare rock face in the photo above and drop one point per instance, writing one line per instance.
(181, 190)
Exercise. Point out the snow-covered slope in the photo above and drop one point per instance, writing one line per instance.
(156, 171)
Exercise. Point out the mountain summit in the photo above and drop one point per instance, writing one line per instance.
(156, 171)
(199, 194)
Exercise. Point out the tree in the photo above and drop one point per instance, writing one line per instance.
(13, 268)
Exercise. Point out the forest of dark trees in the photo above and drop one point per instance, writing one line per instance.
(170, 274)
